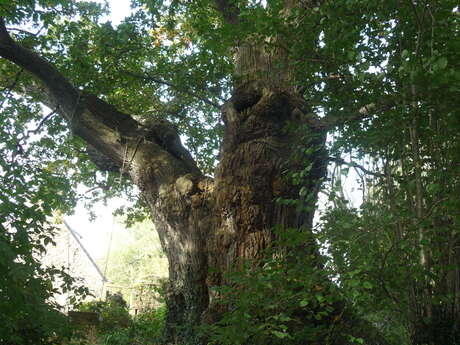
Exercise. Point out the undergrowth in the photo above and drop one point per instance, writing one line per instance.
(118, 327)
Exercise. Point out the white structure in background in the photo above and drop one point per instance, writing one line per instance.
(70, 253)
(77, 238)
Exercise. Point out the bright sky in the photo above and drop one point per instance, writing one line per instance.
(119, 10)
(96, 234)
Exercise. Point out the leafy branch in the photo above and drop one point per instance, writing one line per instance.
(176, 87)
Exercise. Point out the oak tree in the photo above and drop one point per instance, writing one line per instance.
(252, 80)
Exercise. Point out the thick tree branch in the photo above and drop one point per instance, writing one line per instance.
(61, 89)
(114, 134)
(102, 162)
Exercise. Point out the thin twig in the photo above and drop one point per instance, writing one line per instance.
(42, 122)
(10, 87)
(19, 149)
(102, 186)
(33, 131)
(341, 161)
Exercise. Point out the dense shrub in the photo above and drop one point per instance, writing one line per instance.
(149, 324)
(279, 301)
(28, 313)
(113, 313)
(117, 327)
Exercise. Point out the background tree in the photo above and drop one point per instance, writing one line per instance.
(404, 239)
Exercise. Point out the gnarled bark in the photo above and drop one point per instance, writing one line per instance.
(255, 152)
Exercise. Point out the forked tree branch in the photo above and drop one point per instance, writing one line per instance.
(354, 165)
(341, 161)
(41, 123)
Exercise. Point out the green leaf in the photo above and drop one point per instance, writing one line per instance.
(303, 191)
(367, 285)
(280, 335)
(354, 282)
(441, 63)
(319, 297)
(303, 303)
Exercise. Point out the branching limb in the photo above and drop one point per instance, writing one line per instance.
(112, 133)
(42, 122)
(329, 122)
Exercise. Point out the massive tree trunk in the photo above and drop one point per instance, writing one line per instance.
(256, 152)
